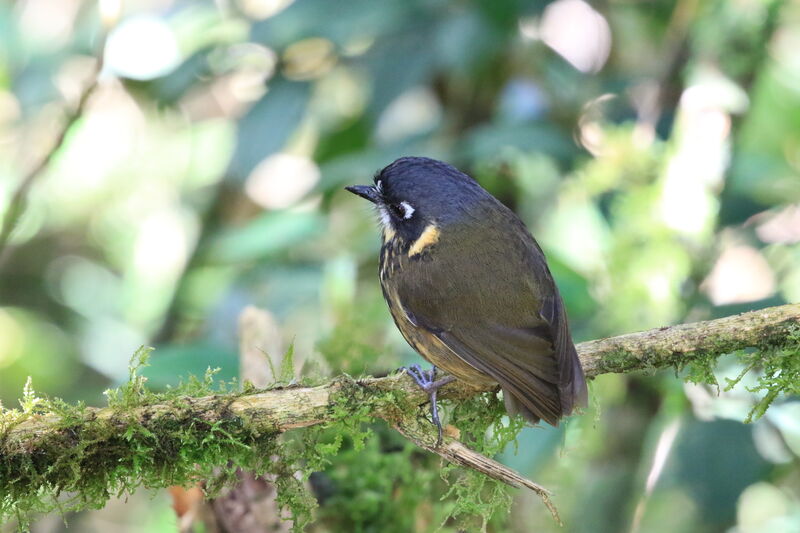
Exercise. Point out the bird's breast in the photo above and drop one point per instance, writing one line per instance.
(396, 271)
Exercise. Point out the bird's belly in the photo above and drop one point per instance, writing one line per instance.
(438, 354)
(431, 347)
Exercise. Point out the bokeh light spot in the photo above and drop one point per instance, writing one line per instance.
(575, 31)
(141, 48)
(280, 180)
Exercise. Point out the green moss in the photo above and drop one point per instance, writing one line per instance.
(471, 500)
(387, 486)
(614, 362)
(700, 370)
(776, 359)
(778, 370)
(484, 426)
(622, 361)
(84, 459)
(396, 481)
(158, 439)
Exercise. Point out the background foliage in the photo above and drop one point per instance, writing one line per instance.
(653, 148)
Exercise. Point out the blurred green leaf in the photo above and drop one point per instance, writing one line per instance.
(266, 127)
(703, 459)
(485, 141)
(194, 71)
(268, 234)
(174, 362)
(340, 22)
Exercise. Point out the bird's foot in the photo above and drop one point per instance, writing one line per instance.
(426, 379)
(423, 378)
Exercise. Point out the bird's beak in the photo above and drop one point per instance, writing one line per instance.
(368, 192)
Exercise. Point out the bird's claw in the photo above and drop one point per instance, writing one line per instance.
(423, 378)
(426, 379)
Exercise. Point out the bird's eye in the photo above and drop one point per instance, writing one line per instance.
(402, 210)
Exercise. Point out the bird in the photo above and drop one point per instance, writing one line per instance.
(470, 290)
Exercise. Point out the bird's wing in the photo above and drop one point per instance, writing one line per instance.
(511, 327)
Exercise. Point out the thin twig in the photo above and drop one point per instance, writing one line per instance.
(455, 451)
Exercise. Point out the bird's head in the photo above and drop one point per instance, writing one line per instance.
(415, 195)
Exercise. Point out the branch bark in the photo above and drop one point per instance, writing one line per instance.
(286, 408)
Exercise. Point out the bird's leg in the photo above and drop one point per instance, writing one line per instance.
(426, 379)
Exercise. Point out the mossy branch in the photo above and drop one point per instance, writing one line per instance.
(145, 439)
(678, 346)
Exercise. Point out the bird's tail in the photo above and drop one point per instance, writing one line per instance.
(572, 393)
